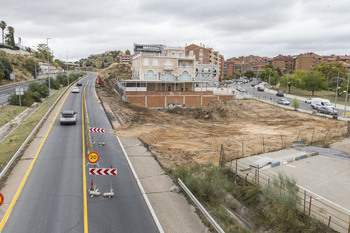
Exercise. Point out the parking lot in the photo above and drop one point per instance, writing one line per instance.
(323, 179)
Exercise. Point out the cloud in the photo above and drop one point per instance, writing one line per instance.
(235, 28)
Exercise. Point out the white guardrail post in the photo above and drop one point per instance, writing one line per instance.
(202, 209)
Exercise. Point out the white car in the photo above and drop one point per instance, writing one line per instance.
(68, 117)
(75, 90)
(283, 101)
(308, 101)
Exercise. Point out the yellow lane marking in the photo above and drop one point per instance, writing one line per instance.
(86, 225)
(29, 170)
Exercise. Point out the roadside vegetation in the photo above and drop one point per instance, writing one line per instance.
(266, 208)
(8, 112)
(36, 91)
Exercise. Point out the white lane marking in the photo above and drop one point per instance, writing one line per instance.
(290, 166)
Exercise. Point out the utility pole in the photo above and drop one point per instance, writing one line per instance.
(48, 66)
(35, 75)
(67, 70)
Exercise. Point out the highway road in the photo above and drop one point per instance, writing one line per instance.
(53, 197)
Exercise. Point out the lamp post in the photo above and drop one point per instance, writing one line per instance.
(67, 70)
(287, 83)
(48, 66)
(35, 74)
(346, 96)
(336, 91)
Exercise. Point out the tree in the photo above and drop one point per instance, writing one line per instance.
(10, 36)
(5, 67)
(330, 70)
(102, 65)
(42, 52)
(249, 74)
(295, 103)
(127, 52)
(313, 81)
(3, 27)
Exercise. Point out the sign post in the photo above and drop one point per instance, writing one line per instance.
(19, 91)
(93, 158)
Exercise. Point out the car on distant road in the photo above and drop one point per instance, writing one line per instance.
(75, 90)
(308, 101)
(261, 89)
(280, 94)
(327, 110)
(79, 84)
(283, 101)
(241, 89)
(68, 117)
(253, 83)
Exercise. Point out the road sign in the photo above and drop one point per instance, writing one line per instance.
(97, 130)
(19, 91)
(93, 157)
(12, 76)
(103, 171)
(1, 199)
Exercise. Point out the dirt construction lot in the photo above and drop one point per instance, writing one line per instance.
(243, 127)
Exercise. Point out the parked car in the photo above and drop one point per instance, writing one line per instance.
(261, 89)
(327, 110)
(308, 101)
(241, 89)
(283, 101)
(253, 83)
(75, 90)
(68, 117)
(79, 84)
(280, 94)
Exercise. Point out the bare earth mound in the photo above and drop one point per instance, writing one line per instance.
(244, 127)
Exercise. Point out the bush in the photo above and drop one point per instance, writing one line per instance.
(62, 79)
(54, 84)
(40, 88)
(295, 103)
(36, 96)
(26, 99)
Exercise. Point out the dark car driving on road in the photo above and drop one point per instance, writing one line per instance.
(280, 94)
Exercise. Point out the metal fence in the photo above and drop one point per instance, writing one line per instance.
(311, 204)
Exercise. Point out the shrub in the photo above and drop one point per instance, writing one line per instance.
(26, 99)
(40, 88)
(5, 67)
(295, 103)
(54, 84)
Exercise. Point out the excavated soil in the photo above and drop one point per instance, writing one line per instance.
(195, 135)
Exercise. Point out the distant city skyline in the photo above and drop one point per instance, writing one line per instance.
(234, 28)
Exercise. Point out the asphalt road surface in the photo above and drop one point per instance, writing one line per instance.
(127, 210)
(52, 199)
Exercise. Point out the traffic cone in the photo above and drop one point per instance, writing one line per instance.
(92, 185)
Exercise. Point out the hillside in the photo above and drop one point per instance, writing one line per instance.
(99, 61)
(116, 70)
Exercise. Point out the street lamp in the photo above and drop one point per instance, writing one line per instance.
(67, 70)
(35, 63)
(336, 91)
(287, 83)
(347, 92)
(48, 66)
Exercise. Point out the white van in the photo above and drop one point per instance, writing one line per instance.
(315, 102)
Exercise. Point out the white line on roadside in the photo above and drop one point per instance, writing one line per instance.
(290, 166)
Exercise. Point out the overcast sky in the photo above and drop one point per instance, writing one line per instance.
(232, 27)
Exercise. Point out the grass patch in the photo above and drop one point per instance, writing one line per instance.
(8, 112)
(273, 208)
(13, 142)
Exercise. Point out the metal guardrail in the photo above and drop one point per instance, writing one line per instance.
(202, 209)
(9, 164)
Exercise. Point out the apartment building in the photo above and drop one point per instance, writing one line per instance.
(231, 66)
(125, 58)
(164, 76)
(205, 55)
(307, 61)
(284, 63)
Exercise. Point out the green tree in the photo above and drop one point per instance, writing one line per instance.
(314, 81)
(249, 74)
(5, 67)
(330, 70)
(10, 36)
(29, 65)
(3, 27)
(295, 103)
(42, 52)
(127, 52)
